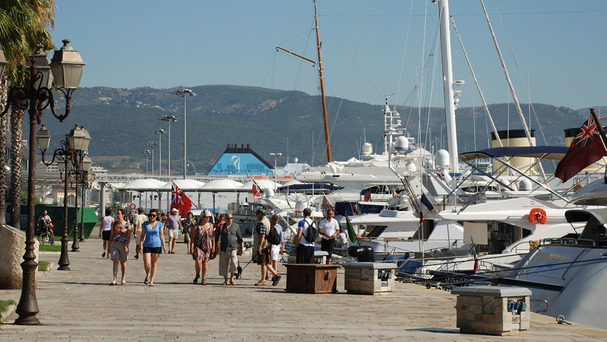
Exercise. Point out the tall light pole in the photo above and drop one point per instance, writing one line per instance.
(160, 132)
(169, 119)
(183, 93)
(152, 143)
(275, 155)
(35, 95)
(147, 161)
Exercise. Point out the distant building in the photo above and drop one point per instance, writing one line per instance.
(241, 161)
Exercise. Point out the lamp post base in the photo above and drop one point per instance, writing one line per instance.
(64, 261)
(28, 307)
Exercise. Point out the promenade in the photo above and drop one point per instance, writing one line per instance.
(78, 305)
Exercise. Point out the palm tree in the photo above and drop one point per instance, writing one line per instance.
(23, 25)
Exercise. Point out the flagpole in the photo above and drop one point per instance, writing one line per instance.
(600, 127)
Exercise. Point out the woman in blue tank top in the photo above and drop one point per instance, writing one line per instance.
(153, 244)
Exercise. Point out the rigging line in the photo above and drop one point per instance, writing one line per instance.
(350, 72)
(402, 61)
(421, 87)
(525, 88)
(505, 69)
(478, 86)
(431, 86)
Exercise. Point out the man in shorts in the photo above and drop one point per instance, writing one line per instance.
(328, 229)
(138, 222)
(262, 248)
(173, 226)
(105, 227)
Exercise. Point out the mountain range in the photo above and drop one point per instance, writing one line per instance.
(122, 122)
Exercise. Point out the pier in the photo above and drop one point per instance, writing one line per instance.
(79, 305)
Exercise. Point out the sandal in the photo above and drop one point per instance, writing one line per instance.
(232, 282)
(113, 283)
(146, 281)
(260, 283)
(196, 279)
(151, 284)
(123, 282)
(225, 283)
(203, 282)
(276, 280)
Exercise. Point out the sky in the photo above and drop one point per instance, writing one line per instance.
(554, 50)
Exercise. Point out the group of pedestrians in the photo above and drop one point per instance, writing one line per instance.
(205, 242)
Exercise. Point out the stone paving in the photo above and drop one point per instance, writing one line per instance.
(78, 305)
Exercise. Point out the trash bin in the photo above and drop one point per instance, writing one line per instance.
(362, 253)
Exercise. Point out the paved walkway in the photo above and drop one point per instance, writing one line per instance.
(79, 305)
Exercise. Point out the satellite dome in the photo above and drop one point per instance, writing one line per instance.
(401, 144)
(524, 185)
(441, 159)
(367, 149)
(411, 167)
(269, 192)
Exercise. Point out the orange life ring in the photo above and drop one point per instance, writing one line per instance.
(537, 215)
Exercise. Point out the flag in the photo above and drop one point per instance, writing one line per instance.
(180, 201)
(426, 202)
(586, 148)
(351, 233)
(256, 190)
(326, 204)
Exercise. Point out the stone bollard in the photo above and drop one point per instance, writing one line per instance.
(12, 249)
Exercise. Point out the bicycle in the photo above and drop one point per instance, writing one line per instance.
(47, 235)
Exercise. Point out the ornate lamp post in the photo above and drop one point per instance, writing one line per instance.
(66, 66)
(160, 132)
(64, 156)
(169, 119)
(183, 93)
(86, 180)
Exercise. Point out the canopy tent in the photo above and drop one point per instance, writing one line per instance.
(220, 185)
(183, 184)
(264, 184)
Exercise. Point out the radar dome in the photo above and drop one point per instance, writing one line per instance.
(269, 192)
(411, 167)
(295, 160)
(367, 149)
(401, 144)
(441, 159)
(524, 185)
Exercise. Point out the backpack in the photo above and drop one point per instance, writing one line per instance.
(312, 233)
(273, 237)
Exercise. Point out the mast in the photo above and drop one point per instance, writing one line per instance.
(445, 35)
(322, 87)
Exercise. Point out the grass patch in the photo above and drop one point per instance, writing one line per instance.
(50, 248)
(44, 266)
(4, 304)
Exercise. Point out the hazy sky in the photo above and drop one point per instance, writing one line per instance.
(370, 48)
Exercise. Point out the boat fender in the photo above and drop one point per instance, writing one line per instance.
(537, 215)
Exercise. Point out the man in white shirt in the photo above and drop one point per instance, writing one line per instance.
(328, 229)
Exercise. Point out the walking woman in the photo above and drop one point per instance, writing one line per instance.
(119, 244)
(204, 245)
(152, 236)
(188, 225)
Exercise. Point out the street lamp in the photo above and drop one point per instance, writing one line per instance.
(160, 132)
(275, 155)
(66, 66)
(68, 152)
(152, 143)
(147, 156)
(86, 167)
(182, 93)
(169, 119)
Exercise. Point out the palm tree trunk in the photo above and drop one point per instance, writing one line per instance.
(3, 124)
(15, 193)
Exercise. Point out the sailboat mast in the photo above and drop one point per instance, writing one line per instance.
(322, 88)
(445, 35)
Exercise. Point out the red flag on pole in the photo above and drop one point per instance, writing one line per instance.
(256, 190)
(180, 201)
(586, 148)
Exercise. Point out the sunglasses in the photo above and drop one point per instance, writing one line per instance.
(228, 218)
(152, 215)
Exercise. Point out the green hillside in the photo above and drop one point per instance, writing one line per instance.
(122, 121)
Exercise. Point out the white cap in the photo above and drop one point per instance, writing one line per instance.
(175, 210)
